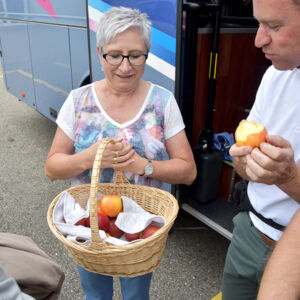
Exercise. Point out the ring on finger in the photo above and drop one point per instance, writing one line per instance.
(116, 153)
(115, 160)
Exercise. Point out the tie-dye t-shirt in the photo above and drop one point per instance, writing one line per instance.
(83, 119)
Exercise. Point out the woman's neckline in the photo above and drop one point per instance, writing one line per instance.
(132, 120)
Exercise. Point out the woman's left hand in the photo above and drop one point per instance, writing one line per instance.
(130, 162)
(117, 154)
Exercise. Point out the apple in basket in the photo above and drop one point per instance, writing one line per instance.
(148, 231)
(103, 221)
(113, 229)
(82, 222)
(111, 205)
(132, 236)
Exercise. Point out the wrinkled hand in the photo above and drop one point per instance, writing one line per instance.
(115, 155)
(137, 165)
(272, 163)
(240, 156)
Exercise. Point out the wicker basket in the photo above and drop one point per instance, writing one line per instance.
(128, 260)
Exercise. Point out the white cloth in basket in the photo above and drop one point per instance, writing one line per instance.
(134, 219)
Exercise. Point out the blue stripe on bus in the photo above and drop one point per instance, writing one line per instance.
(158, 37)
(163, 53)
(163, 39)
(99, 5)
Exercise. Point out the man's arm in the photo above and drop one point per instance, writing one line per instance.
(282, 274)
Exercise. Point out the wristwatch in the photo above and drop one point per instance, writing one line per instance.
(149, 168)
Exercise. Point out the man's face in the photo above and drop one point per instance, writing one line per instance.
(279, 31)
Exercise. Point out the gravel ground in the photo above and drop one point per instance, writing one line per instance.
(193, 261)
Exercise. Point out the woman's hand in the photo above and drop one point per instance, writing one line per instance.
(115, 155)
(63, 163)
(135, 164)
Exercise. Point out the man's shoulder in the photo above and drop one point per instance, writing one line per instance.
(279, 78)
(273, 72)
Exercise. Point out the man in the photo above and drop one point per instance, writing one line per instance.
(273, 169)
(282, 274)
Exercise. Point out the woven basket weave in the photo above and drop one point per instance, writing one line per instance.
(128, 260)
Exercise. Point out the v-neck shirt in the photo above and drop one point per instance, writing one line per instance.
(83, 119)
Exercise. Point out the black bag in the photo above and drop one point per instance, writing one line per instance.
(241, 200)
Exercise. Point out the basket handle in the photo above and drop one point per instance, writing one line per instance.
(119, 178)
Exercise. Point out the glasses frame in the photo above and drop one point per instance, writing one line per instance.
(123, 56)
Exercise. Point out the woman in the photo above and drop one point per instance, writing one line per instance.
(143, 118)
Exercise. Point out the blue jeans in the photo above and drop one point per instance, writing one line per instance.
(100, 287)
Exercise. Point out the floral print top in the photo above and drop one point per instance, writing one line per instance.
(83, 119)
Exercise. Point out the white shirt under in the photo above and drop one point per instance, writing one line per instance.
(277, 106)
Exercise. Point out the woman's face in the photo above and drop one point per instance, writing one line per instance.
(125, 76)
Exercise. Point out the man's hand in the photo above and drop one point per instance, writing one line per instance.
(272, 163)
(240, 155)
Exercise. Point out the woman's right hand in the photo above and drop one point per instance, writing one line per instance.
(63, 163)
(114, 153)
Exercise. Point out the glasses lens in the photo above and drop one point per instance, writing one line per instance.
(114, 59)
(137, 60)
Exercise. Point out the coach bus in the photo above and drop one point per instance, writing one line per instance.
(203, 51)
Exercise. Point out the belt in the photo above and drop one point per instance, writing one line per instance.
(271, 243)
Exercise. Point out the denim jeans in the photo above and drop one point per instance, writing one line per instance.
(100, 287)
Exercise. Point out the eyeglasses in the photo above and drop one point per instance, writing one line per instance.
(114, 59)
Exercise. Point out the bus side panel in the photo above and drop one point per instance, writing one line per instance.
(68, 12)
(16, 60)
(79, 56)
(51, 67)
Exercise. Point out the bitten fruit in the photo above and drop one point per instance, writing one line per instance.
(250, 133)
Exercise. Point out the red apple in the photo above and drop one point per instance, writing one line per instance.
(113, 229)
(132, 236)
(111, 205)
(82, 222)
(103, 221)
(148, 231)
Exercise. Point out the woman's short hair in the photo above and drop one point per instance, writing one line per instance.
(117, 20)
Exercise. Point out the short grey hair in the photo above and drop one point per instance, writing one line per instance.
(117, 20)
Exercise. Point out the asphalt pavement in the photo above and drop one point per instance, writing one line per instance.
(191, 268)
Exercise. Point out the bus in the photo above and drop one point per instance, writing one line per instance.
(202, 51)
